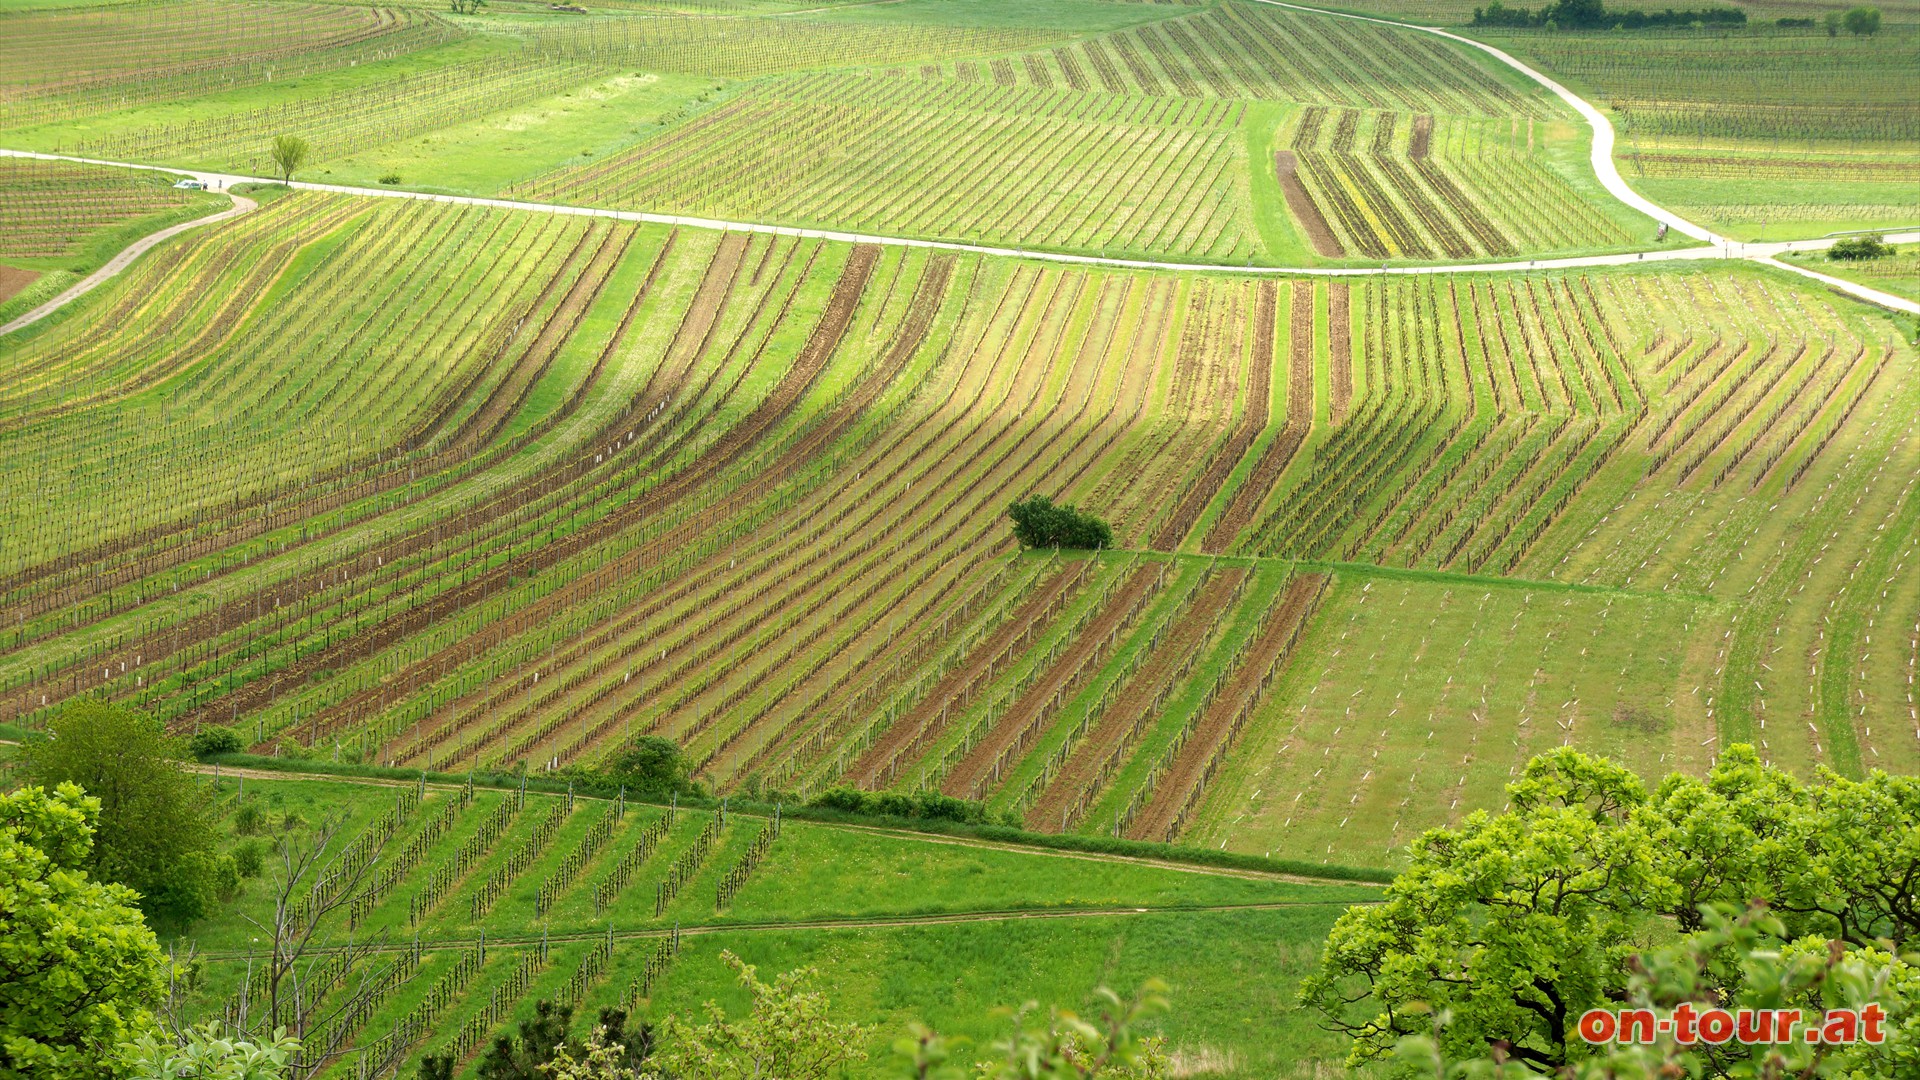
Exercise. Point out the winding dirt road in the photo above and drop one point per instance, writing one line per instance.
(241, 204)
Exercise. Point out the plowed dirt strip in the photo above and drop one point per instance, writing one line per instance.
(1286, 168)
(1273, 461)
(1252, 423)
(1133, 710)
(1216, 728)
(807, 366)
(1340, 350)
(927, 720)
(1060, 678)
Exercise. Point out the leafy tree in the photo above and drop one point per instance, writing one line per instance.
(437, 1067)
(1037, 523)
(541, 1038)
(79, 970)
(786, 1034)
(204, 1054)
(1516, 923)
(1862, 21)
(1736, 960)
(290, 153)
(1852, 248)
(1513, 925)
(215, 739)
(156, 831)
(1832, 20)
(650, 765)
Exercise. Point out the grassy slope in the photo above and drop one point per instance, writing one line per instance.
(949, 973)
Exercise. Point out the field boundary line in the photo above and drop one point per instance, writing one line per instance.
(124, 259)
(875, 922)
(1168, 862)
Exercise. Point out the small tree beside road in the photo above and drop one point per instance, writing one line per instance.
(289, 155)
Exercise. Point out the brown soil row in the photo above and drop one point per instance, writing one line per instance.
(1216, 726)
(806, 367)
(927, 720)
(315, 497)
(14, 281)
(1131, 710)
(1059, 678)
(812, 359)
(498, 579)
(808, 573)
(1273, 461)
(1340, 348)
(163, 643)
(1286, 167)
(1259, 393)
(1418, 146)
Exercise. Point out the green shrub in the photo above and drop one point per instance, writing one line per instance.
(1038, 523)
(650, 765)
(1855, 248)
(1862, 21)
(249, 858)
(249, 819)
(925, 806)
(215, 739)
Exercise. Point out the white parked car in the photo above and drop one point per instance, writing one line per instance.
(191, 184)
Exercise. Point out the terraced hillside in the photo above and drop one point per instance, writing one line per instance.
(746, 492)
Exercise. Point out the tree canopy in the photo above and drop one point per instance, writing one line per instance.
(79, 970)
(155, 832)
(1038, 523)
(1514, 924)
(649, 765)
(290, 154)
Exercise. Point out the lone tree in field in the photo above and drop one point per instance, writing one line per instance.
(1862, 21)
(289, 155)
(1038, 523)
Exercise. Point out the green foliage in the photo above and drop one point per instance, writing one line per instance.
(81, 970)
(156, 832)
(1512, 925)
(540, 1038)
(249, 858)
(290, 153)
(249, 819)
(1735, 961)
(926, 805)
(1855, 248)
(1862, 21)
(649, 765)
(1060, 1046)
(215, 739)
(204, 1054)
(1037, 522)
(786, 1033)
(1593, 15)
